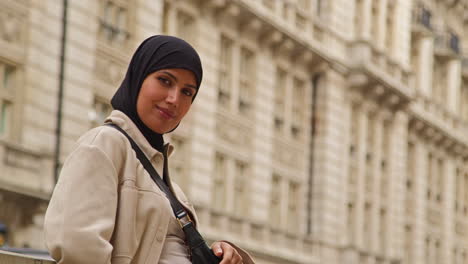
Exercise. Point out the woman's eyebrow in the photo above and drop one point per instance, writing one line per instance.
(175, 78)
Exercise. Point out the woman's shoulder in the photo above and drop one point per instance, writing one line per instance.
(102, 136)
(104, 139)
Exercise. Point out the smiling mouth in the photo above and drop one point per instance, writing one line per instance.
(165, 113)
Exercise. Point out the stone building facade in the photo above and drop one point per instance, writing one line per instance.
(326, 131)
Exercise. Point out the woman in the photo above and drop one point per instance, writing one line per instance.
(105, 207)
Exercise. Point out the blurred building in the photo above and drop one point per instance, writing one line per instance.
(326, 131)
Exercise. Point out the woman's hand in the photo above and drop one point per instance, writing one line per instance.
(226, 252)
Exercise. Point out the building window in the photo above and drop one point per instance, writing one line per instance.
(7, 97)
(225, 73)
(246, 81)
(236, 95)
(101, 110)
(280, 98)
(241, 188)
(114, 22)
(293, 208)
(298, 115)
(439, 87)
(219, 183)
(275, 201)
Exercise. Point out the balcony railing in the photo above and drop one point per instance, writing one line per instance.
(447, 43)
(422, 16)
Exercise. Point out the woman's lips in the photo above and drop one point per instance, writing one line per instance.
(166, 113)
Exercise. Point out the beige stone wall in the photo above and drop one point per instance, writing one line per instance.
(325, 131)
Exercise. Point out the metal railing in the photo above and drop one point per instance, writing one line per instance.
(422, 16)
(7, 257)
(446, 41)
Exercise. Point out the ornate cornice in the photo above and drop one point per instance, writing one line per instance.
(432, 133)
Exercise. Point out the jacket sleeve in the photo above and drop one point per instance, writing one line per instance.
(80, 218)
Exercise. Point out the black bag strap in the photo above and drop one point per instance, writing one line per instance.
(177, 207)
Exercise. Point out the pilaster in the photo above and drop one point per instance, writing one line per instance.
(376, 171)
(453, 86)
(263, 132)
(382, 24)
(361, 151)
(448, 216)
(202, 118)
(365, 13)
(425, 65)
(397, 153)
(401, 32)
(420, 202)
(329, 168)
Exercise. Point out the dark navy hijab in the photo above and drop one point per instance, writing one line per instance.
(155, 53)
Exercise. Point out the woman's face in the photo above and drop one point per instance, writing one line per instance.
(165, 97)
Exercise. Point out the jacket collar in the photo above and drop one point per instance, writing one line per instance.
(123, 121)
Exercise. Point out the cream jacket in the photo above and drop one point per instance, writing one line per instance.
(105, 207)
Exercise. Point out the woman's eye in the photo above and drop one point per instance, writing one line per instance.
(187, 92)
(164, 80)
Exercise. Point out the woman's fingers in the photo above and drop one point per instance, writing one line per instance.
(216, 248)
(228, 253)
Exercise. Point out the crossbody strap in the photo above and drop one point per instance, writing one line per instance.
(177, 207)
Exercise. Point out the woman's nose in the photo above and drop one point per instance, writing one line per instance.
(172, 96)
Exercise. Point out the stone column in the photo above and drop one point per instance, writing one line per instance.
(377, 175)
(264, 131)
(382, 24)
(172, 20)
(453, 85)
(361, 176)
(448, 216)
(366, 16)
(425, 65)
(328, 166)
(203, 119)
(397, 170)
(401, 31)
(420, 201)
